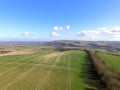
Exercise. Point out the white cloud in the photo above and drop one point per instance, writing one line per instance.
(101, 33)
(61, 28)
(25, 33)
(55, 34)
(82, 33)
(87, 32)
(116, 29)
(106, 32)
(68, 27)
(57, 28)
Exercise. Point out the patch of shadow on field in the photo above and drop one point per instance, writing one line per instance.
(90, 76)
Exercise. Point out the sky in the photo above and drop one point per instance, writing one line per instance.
(45, 20)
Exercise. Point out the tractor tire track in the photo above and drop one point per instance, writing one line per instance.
(10, 84)
(17, 66)
(69, 73)
(17, 79)
(46, 76)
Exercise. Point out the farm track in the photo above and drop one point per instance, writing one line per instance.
(59, 67)
(69, 74)
(46, 76)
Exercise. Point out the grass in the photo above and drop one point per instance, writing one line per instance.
(111, 60)
(35, 72)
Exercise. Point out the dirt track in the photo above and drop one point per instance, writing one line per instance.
(22, 52)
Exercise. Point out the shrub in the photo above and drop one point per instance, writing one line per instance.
(108, 75)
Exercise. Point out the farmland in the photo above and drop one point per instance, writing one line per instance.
(111, 60)
(36, 66)
(45, 70)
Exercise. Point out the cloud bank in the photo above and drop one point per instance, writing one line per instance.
(103, 33)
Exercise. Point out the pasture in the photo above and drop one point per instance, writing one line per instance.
(111, 60)
(44, 70)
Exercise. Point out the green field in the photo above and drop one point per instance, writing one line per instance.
(45, 70)
(111, 60)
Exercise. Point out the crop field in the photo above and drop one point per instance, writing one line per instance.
(46, 70)
(111, 60)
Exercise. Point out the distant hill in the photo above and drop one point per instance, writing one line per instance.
(108, 45)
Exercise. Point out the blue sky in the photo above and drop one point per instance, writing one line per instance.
(59, 19)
